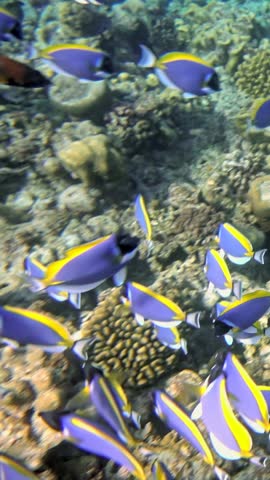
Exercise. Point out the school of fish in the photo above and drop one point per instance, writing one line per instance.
(230, 403)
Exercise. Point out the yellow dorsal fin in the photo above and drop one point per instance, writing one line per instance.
(256, 106)
(177, 56)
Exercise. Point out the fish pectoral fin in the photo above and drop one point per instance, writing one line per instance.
(197, 412)
(120, 277)
(228, 339)
(75, 300)
(253, 425)
(238, 260)
(139, 319)
(237, 289)
(223, 450)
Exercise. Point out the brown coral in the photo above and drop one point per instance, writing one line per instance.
(123, 346)
(252, 75)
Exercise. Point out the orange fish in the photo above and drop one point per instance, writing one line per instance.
(18, 74)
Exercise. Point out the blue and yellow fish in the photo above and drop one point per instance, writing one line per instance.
(142, 217)
(242, 313)
(102, 394)
(177, 419)
(245, 395)
(236, 246)
(183, 71)
(10, 26)
(170, 337)
(85, 267)
(218, 275)
(11, 469)
(79, 61)
(115, 398)
(95, 439)
(160, 471)
(27, 327)
(229, 437)
(260, 113)
(162, 312)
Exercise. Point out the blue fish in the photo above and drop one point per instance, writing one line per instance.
(170, 337)
(241, 314)
(142, 217)
(183, 71)
(10, 26)
(250, 336)
(160, 471)
(260, 114)
(177, 419)
(114, 395)
(102, 394)
(79, 61)
(95, 439)
(28, 327)
(218, 275)
(85, 267)
(236, 246)
(229, 437)
(162, 312)
(36, 270)
(11, 469)
(245, 395)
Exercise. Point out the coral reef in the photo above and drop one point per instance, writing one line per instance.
(67, 20)
(91, 158)
(216, 30)
(123, 346)
(65, 181)
(84, 100)
(252, 74)
(260, 200)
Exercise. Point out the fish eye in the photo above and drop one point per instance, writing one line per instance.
(213, 82)
(107, 65)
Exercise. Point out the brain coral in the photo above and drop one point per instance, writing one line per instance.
(123, 346)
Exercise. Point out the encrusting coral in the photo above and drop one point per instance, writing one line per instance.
(91, 158)
(252, 75)
(209, 31)
(88, 100)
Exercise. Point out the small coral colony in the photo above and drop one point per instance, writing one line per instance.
(229, 403)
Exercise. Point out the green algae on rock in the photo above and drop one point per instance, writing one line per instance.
(91, 158)
(259, 198)
(217, 31)
(252, 75)
(89, 100)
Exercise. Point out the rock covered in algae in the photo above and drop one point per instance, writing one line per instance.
(124, 346)
(259, 198)
(82, 99)
(62, 21)
(252, 75)
(32, 382)
(90, 158)
(216, 31)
